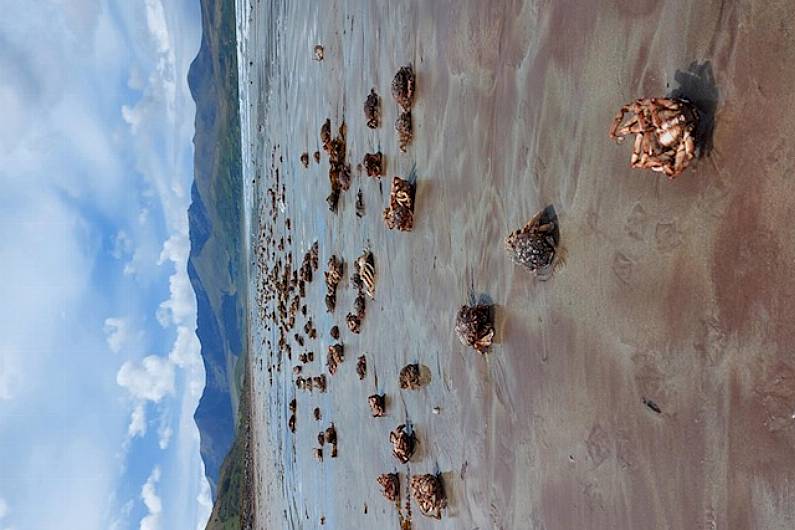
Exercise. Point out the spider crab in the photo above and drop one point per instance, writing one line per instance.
(474, 326)
(372, 109)
(403, 443)
(664, 133)
(428, 491)
(400, 213)
(390, 482)
(534, 246)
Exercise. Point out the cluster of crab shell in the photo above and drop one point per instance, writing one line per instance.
(339, 170)
(400, 213)
(403, 85)
(663, 129)
(318, 382)
(363, 279)
(534, 246)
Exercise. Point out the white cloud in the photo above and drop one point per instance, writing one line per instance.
(122, 245)
(152, 502)
(180, 307)
(151, 379)
(137, 421)
(164, 434)
(117, 333)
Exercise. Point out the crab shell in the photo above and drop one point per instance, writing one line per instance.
(403, 444)
(390, 482)
(361, 367)
(405, 130)
(474, 328)
(409, 378)
(533, 246)
(403, 86)
(428, 492)
(377, 405)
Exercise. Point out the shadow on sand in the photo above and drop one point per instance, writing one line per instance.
(697, 85)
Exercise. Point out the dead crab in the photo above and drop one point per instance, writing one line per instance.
(372, 109)
(354, 323)
(403, 86)
(474, 326)
(663, 129)
(428, 492)
(390, 482)
(305, 159)
(534, 246)
(403, 443)
(377, 404)
(409, 378)
(361, 367)
(374, 164)
(365, 267)
(405, 130)
(400, 214)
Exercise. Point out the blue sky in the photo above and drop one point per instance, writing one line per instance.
(99, 365)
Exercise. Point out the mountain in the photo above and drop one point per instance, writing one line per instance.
(216, 265)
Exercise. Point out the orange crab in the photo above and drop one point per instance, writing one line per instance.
(664, 133)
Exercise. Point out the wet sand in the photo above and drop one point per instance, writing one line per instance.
(679, 293)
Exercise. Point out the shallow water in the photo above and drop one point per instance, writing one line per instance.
(678, 293)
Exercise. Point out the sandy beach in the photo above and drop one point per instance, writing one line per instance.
(676, 293)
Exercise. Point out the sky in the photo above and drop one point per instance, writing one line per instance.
(100, 371)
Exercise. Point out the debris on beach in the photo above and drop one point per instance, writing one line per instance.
(291, 423)
(403, 443)
(335, 332)
(534, 246)
(374, 164)
(664, 133)
(316, 156)
(409, 378)
(318, 452)
(405, 130)
(474, 326)
(428, 492)
(316, 413)
(372, 109)
(361, 367)
(403, 87)
(400, 213)
(390, 484)
(305, 159)
(318, 52)
(377, 404)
